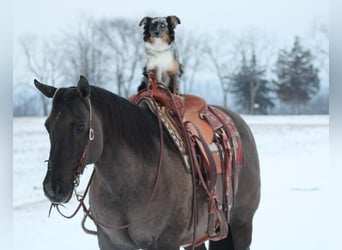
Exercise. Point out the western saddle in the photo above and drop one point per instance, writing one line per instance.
(210, 146)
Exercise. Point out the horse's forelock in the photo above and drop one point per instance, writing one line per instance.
(66, 98)
(66, 95)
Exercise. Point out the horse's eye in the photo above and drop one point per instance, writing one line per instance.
(79, 128)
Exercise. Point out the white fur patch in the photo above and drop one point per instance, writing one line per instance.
(159, 57)
(159, 44)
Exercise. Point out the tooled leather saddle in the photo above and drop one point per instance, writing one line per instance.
(210, 146)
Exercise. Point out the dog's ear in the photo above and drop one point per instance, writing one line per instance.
(173, 20)
(145, 20)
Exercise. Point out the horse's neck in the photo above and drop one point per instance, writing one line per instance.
(122, 171)
(128, 129)
(130, 137)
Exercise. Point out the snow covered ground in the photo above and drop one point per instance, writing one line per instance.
(298, 209)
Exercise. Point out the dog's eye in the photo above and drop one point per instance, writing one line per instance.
(162, 26)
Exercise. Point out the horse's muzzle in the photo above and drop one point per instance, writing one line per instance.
(56, 191)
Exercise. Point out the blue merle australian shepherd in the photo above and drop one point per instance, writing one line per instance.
(161, 51)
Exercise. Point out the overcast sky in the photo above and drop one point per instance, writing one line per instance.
(283, 18)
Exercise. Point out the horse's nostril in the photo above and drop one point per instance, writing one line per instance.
(54, 193)
(48, 190)
(52, 188)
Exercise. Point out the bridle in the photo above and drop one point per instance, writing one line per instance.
(80, 169)
(83, 160)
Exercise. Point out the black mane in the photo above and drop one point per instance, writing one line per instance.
(129, 123)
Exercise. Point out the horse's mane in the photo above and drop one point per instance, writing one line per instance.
(135, 126)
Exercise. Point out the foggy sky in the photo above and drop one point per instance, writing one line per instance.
(284, 19)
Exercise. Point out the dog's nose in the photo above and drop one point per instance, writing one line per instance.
(157, 33)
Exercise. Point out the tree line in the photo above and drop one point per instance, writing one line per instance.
(110, 53)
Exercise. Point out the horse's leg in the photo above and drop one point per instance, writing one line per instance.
(106, 244)
(167, 241)
(200, 247)
(226, 243)
(242, 234)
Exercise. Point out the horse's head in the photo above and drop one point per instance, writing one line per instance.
(69, 125)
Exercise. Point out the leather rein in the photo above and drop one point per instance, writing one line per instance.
(80, 169)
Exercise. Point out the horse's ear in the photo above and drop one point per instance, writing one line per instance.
(46, 90)
(145, 20)
(173, 20)
(83, 86)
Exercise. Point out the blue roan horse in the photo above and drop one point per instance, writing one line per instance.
(125, 150)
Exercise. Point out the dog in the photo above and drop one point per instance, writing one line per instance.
(161, 51)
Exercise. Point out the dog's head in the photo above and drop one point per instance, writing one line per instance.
(159, 28)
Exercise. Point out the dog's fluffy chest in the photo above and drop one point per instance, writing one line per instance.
(160, 58)
(161, 61)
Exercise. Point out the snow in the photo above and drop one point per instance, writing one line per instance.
(298, 206)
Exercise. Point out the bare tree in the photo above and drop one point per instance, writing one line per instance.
(256, 44)
(222, 59)
(225, 50)
(320, 39)
(122, 41)
(255, 41)
(42, 60)
(83, 55)
(191, 49)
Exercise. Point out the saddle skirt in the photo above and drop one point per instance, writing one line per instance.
(210, 146)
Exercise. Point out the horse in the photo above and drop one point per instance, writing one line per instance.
(134, 203)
